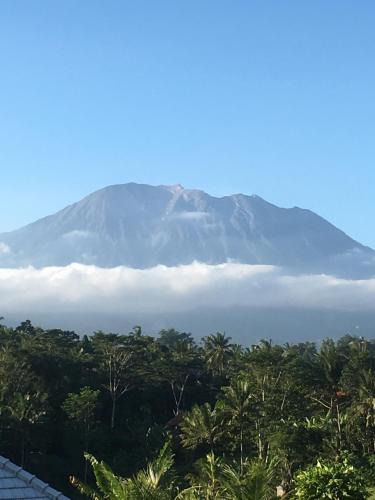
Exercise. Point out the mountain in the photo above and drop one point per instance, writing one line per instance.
(141, 226)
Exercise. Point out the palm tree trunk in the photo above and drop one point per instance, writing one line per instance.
(113, 413)
(338, 426)
(87, 430)
(260, 444)
(23, 451)
(241, 447)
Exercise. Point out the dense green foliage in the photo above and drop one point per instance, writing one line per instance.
(327, 480)
(237, 420)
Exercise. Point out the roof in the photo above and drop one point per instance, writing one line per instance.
(16, 483)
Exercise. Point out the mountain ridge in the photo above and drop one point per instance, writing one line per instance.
(139, 225)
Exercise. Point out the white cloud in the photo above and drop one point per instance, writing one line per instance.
(76, 234)
(189, 215)
(163, 289)
(4, 248)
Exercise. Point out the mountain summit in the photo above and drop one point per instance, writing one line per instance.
(141, 226)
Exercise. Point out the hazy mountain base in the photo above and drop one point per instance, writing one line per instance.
(245, 325)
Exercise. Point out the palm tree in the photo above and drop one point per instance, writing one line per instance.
(256, 482)
(201, 425)
(26, 410)
(148, 484)
(218, 352)
(215, 480)
(330, 361)
(237, 402)
(206, 482)
(364, 405)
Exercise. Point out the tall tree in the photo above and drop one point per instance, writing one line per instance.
(218, 352)
(237, 404)
(201, 425)
(80, 408)
(117, 363)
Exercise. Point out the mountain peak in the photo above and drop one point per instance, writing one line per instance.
(174, 188)
(141, 226)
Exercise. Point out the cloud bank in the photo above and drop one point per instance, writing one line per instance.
(88, 289)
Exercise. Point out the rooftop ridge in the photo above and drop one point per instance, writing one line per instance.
(29, 480)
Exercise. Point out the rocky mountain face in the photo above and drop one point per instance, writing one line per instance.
(141, 226)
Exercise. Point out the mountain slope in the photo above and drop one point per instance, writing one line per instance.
(142, 226)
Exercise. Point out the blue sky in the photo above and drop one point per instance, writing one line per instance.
(267, 97)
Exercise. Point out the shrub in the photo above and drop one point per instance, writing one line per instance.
(333, 480)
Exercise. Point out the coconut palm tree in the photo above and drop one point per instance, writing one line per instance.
(256, 482)
(216, 480)
(212, 480)
(218, 352)
(148, 484)
(237, 402)
(330, 361)
(202, 425)
(206, 482)
(364, 406)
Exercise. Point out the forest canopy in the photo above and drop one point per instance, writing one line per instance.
(208, 419)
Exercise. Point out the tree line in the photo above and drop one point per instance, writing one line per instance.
(167, 417)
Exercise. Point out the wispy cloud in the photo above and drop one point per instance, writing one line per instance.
(77, 235)
(4, 248)
(194, 216)
(175, 289)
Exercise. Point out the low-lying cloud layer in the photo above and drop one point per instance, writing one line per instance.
(87, 289)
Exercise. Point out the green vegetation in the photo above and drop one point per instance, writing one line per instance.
(169, 418)
(325, 480)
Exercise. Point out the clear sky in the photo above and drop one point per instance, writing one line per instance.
(275, 98)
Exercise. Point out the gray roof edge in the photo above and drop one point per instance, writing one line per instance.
(31, 480)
